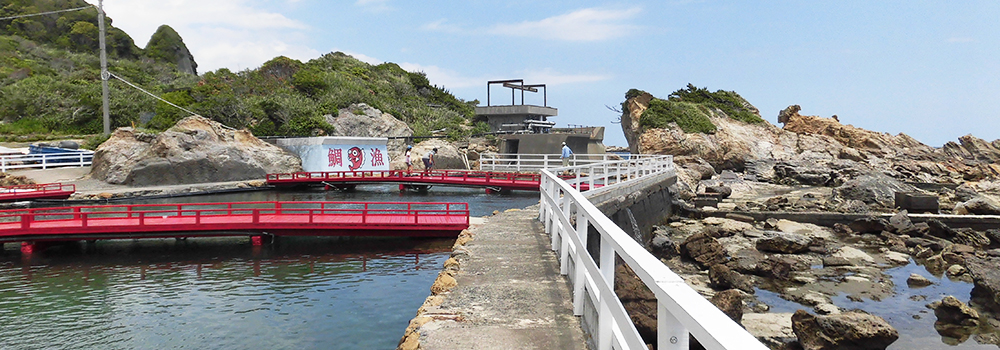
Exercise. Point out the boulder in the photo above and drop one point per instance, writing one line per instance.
(195, 150)
(723, 191)
(848, 330)
(953, 311)
(781, 242)
(982, 205)
(854, 255)
(873, 189)
(916, 280)
(731, 303)
(448, 156)
(955, 319)
(722, 278)
(900, 222)
(985, 277)
(869, 224)
(704, 249)
(661, 245)
(803, 173)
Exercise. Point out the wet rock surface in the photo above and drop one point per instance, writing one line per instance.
(849, 330)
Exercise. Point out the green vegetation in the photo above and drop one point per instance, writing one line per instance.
(691, 108)
(50, 84)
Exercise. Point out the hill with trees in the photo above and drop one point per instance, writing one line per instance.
(50, 83)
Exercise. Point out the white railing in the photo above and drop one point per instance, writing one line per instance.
(536, 162)
(46, 160)
(681, 310)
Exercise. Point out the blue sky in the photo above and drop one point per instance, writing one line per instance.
(930, 69)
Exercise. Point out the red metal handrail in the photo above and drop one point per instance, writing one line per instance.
(254, 209)
(49, 187)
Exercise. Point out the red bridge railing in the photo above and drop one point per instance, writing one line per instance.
(35, 191)
(299, 218)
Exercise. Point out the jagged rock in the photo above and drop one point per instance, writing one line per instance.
(803, 173)
(873, 189)
(954, 318)
(722, 278)
(781, 242)
(704, 249)
(14, 180)
(940, 230)
(868, 225)
(723, 191)
(981, 205)
(986, 277)
(900, 222)
(195, 150)
(662, 246)
(848, 330)
(916, 280)
(166, 44)
(955, 270)
(970, 237)
(731, 303)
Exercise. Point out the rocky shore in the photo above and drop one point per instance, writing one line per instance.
(730, 245)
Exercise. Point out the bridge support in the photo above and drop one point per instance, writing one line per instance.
(259, 240)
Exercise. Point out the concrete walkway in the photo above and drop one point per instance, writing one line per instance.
(509, 292)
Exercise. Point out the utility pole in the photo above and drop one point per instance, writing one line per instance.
(105, 75)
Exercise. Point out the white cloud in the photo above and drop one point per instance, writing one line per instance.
(441, 25)
(591, 24)
(361, 57)
(234, 34)
(444, 77)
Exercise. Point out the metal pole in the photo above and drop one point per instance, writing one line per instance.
(105, 75)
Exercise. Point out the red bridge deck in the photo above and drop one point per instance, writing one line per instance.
(36, 191)
(226, 219)
(462, 178)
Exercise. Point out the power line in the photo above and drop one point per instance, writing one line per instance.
(46, 13)
(150, 93)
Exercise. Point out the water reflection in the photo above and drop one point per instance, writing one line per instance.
(299, 293)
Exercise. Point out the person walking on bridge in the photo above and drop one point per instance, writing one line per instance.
(566, 152)
(409, 160)
(429, 160)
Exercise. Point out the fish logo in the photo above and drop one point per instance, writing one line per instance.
(356, 157)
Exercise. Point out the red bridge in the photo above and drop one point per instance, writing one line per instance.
(234, 219)
(33, 191)
(501, 181)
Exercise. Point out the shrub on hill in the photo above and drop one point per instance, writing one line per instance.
(691, 108)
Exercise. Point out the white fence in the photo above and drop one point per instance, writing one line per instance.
(566, 214)
(46, 160)
(536, 162)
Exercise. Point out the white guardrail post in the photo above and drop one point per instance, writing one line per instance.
(680, 310)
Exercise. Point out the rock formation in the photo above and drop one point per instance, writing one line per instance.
(196, 150)
(828, 147)
(849, 330)
(362, 120)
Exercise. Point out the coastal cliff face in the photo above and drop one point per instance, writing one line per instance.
(815, 141)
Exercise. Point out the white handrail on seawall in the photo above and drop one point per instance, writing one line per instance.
(681, 310)
(535, 162)
(46, 160)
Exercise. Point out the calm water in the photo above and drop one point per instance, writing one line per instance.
(302, 293)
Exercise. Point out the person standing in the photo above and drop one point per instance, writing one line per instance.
(429, 159)
(566, 152)
(409, 160)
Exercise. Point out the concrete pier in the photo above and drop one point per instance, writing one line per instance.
(509, 293)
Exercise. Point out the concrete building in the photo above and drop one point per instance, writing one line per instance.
(526, 129)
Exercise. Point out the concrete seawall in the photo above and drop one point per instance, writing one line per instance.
(502, 288)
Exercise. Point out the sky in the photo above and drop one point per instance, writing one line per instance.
(929, 69)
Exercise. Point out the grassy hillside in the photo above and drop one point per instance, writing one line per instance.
(690, 108)
(50, 84)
